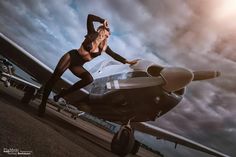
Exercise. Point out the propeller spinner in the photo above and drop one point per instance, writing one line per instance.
(176, 78)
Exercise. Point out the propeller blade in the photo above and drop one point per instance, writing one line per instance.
(136, 82)
(204, 75)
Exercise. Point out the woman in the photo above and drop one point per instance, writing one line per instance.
(94, 44)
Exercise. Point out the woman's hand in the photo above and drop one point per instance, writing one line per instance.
(132, 62)
(105, 23)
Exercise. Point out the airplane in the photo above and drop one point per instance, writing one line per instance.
(130, 97)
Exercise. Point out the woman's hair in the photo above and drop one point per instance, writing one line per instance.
(103, 44)
(103, 27)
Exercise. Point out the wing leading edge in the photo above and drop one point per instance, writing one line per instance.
(177, 139)
(19, 80)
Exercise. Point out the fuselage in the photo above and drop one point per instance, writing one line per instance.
(142, 104)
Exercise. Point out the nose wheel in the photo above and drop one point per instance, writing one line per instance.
(123, 141)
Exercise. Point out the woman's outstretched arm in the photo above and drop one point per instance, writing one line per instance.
(118, 57)
(115, 55)
(90, 19)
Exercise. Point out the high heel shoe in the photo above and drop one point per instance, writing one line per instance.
(57, 97)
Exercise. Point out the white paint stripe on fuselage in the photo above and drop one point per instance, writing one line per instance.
(108, 84)
(116, 84)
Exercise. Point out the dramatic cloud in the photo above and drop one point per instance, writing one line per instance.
(195, 34)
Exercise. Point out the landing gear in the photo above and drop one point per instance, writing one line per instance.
(29, 94)
(124, 142)
(7, 84)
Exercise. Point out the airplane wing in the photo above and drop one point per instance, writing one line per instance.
(30, 64)
(177, 139)
(18, 80)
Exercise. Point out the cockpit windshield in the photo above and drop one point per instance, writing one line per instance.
(98, 67)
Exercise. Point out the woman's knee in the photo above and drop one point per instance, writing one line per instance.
(87, 77)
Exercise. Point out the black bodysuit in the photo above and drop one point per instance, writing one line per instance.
(92, 34)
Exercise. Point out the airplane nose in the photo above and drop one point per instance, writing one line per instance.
(176, 78)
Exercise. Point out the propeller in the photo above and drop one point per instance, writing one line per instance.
(204, 75)
(178, 78)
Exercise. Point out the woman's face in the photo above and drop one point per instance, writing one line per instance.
(103, 33)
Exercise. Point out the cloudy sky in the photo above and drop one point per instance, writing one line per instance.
(196, 34)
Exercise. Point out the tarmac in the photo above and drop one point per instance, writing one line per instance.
(55, 135)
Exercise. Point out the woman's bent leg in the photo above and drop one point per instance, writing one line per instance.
(86, 78)
(62, 65)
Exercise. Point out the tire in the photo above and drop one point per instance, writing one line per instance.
(124, 144)
(115, 148)
(135, 148)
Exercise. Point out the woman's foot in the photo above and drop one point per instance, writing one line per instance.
(58, 96)
(41, 109)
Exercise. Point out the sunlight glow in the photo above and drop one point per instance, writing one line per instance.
(226, 10)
